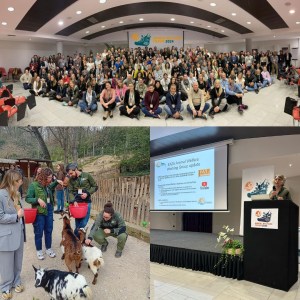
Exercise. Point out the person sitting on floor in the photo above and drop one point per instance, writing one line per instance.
(260, 81)
(88, 103)
(26, 80)
(37, 88)
(234, 94)
(218, 99)
(60, 92)
(72, 95)
(151, 103)
(173, 106)
(108, 100)
(131, 107)
(250, 82)
(197, 106)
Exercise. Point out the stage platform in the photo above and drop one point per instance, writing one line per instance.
(192, 250)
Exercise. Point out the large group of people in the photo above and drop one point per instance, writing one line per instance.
(41, 195)
(152, 81)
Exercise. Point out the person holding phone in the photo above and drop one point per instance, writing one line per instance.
(279, 192)
(81, 186)
(40, 195)
(12, 238)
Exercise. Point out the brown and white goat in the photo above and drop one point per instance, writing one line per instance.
(92, 255)
(70, 246)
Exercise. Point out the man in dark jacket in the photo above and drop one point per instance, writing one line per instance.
(250, 82)
(173, 105)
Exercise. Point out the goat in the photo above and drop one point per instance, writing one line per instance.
(70, 246)
(92, 255)
(62, 285)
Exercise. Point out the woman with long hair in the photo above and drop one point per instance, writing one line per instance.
(40, 196)
(12, 227)
(108, 100)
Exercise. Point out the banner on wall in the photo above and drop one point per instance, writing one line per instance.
(159, 38)
(255, 181)
(264, 218)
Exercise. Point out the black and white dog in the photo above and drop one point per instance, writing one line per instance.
(62, 285)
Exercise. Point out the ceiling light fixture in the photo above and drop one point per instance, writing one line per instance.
(78, 12)
(10, 9)
(208, 26)
(298, 22)
(290, 165)
(222, 30)
(102, 1)
(141, 19)
(233, 14)
(121, 22)
(4, 23)
(249, 23)
(60, 23)
(87, 32)
(292, 11)
(172, 19)
(213, 4)
(192, 22)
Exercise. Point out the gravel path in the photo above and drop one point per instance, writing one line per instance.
(120, 278)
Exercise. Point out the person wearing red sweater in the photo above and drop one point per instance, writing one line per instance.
(151, 103)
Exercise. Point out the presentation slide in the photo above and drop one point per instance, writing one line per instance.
(193, 179)
(185, 182)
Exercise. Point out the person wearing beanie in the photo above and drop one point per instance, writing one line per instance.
(108, 223)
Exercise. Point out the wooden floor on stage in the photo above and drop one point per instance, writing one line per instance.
(189, 240)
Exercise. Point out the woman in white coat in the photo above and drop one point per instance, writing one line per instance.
(12, 234)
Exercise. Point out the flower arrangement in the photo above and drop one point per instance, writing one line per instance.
(230, 246)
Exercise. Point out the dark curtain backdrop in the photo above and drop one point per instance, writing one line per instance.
(197, 222)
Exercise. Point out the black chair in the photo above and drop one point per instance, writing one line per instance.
(290, 103)
(21, 111)
(31, 101)
(4, 118)
(10, 87)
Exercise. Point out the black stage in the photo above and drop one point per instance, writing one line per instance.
(192, 250)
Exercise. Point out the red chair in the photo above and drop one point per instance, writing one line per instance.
(20, 100)
(10, 107)
(3, 71)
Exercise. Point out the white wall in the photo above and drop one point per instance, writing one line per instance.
(166, 220)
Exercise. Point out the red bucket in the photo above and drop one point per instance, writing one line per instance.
(80, 211)
(30, 215)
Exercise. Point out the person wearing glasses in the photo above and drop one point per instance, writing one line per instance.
(40, 195)
(108, 223)
(81, 186)
(12, 237)
(279, 192)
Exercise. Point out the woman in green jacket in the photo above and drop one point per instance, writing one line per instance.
(40, 195)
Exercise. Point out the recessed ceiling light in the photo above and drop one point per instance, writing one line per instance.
(103, 26)
(60, 23)
(172, 19)
(87, 31)
(290, 165)
(141, 19)
(222, 30)
(297, 22)
(102, 1)
(292, 11)
(208, 26)
(30, 39)
(233, 14)
(78, 12)
(249, 23)
(274, 36)
(4, 23)
(10, 9)
(192, 22)
(121, 22)
(213, 4)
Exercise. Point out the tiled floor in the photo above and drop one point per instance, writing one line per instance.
(265, 109)
(170, 283)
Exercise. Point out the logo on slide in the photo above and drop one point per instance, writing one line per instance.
(201, 200)
(204, 172)
(204, 185)
(265, 218)
(160, 164)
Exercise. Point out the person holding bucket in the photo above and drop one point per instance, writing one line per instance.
(40, 196)
(12, 238)
(81, 186)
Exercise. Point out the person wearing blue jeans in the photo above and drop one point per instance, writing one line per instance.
(40, 196)
(60, 189)
(173, 106)
(88, 104)
(81, 186)
(251, 82)
(261, 82)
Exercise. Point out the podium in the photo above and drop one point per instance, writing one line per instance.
(271, 255)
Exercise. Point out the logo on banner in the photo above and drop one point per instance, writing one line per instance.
(261, 188)
(264, 218)
(144, 40)
(204, 172)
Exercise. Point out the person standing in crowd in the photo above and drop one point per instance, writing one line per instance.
(12, 238)
(81, 187)
(60, 189)
(108, 223)
(40, 196)
(279, 192)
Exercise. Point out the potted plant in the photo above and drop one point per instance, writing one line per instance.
(238, 247)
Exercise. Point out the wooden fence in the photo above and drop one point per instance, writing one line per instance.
(129, 195)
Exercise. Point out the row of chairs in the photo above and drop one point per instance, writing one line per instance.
(5, 75)
(9, 105)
